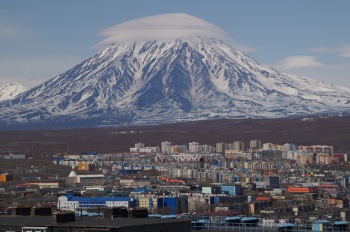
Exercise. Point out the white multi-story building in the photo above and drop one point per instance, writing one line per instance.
(317, 149)
(238, 145)
(199, 203)
(221, 147)
(178, 149)
(166, 147)
(72, 202)
(255, 144)
(137, 147)
(193, 147)
(149, 149)
(85, 180)
(206, 149)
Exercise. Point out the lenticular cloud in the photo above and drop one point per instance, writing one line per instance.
(161, 27)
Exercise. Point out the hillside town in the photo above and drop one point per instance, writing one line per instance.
(275, 183)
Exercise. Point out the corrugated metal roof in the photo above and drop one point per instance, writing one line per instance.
(320, 221)
(98, 199)
(341, 223)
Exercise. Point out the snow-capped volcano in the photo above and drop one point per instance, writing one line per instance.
(11, 90)
(169, 80)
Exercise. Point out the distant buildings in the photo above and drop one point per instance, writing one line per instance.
(220, 148)
(255, 144)
(166, 147)
(238, 145)
(71, 202)
(12, 156)
(317, 149)
(232, 190)
(5, 177)
(193, 147)
(84, 180)
(137, 148)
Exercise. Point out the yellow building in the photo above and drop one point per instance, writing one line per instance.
(83, 167)
(4, 177)
(149, 203)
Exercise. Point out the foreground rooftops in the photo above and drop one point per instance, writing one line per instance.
(46, 221)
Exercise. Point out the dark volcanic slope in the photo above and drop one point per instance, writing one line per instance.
(328, 131)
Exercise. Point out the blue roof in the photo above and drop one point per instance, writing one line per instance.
(154, 215)
(320, 221)
(202, 221)
(140, 190)
(249, 218)
(98, 199)
(233, 218)
(69, 196)
(341, 223)
(285, 224)
(169, 216)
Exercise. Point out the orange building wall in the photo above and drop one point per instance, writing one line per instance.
(298, 190)
(83, 167)
(2, 178)
(5, 177)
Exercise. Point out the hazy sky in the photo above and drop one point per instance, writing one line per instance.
(40, 39)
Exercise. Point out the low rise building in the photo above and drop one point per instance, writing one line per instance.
(85, 180)
(5, 177)
(71, 202)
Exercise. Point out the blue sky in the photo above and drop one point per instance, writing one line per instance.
(41, 39)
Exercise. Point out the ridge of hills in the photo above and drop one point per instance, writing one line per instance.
(331, 131)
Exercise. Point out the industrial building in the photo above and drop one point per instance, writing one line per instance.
(71, 202)
(84, 180)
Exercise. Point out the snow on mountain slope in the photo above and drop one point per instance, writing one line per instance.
(167, 81)
(11, 90)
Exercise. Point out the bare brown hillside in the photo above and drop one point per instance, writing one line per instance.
(329, 131)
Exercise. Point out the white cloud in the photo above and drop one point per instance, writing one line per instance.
(296, 62)
(161, 27)
(335, 73)
(343, 51)
(309, 66)
(165, 27)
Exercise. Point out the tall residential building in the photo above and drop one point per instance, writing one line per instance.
(166, 147)
(255, 144)
(137, 147)
(179, 149)
(238, 145)
(193, 147)
(317, 149)
(206, 149)
(289, 147)
(220, 148)
(229, 146)
(268, 146)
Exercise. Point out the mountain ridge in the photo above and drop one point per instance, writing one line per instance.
(11, 90)
(157, 82)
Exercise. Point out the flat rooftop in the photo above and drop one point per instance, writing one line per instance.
(47, 221)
